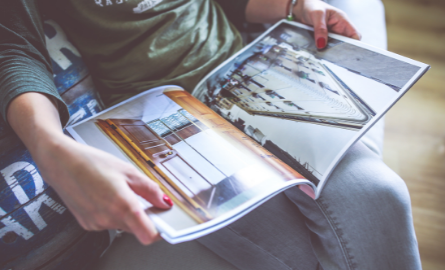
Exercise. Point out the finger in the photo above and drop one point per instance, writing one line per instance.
(149, 190)
(87, 226)
(157, 238)
(339, 23)
(92, 227)
(318, 18)
(99, 223)
(357, 36)
(351, 31)
(141, 226)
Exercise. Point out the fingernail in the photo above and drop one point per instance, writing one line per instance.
(321, 43)
(167, 200)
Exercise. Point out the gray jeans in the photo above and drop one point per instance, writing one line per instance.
(362, 219)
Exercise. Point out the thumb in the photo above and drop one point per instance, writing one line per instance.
(318, 18)
(149, 190)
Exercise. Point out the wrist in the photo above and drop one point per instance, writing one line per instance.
(51, 153)
(298, 10)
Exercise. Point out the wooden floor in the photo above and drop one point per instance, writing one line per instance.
(415, 127)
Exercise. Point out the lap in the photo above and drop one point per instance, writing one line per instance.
(277, 235)
(362, 219)
(273, 236)
(363, 209)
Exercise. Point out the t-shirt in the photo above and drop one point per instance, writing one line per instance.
(129, 46)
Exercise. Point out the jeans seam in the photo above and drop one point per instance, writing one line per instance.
(334, 227)
(276, 258)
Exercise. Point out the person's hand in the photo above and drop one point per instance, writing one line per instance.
(98, 188)
(324, 18)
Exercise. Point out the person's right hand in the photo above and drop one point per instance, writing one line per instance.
(98, 188)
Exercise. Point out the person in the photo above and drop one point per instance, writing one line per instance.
(131, 46)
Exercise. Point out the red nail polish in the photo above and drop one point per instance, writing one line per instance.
(321, 43)
(167, 200)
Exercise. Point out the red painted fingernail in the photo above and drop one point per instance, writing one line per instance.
(321, 43)
(167, 200)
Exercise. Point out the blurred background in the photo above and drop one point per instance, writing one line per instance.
(415, 126)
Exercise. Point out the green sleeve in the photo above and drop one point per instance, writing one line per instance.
(235, 10)
(25, 64)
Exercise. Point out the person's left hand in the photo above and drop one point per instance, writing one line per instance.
(324, 17)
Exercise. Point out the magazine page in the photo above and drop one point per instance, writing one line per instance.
(304, 105)
(213, 172)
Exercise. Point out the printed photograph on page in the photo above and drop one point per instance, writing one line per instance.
(303, 104)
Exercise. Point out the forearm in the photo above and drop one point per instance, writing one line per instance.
(35, 119)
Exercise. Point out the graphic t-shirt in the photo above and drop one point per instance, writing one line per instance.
(129, 45)
(133, 45)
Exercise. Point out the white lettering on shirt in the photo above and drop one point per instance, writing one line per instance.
(146, 5)
(32, 208)
(11, 225)
(109, 2)
(55, 44)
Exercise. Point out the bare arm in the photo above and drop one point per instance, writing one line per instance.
(321, 16)
(98, 188)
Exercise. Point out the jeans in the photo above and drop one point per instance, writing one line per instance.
(362, 220)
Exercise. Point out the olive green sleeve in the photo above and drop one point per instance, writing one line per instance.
(25, 65)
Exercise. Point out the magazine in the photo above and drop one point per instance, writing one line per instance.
(279, 113)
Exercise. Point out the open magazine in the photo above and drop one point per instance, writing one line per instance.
(280, 113)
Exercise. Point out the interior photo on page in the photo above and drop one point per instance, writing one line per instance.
(305, 105)
(208, 167)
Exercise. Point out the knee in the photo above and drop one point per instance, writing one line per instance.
(362, 179)
(380, 188)
(389, 192)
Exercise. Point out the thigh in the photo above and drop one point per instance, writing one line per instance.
(362, 219)
(273, 236)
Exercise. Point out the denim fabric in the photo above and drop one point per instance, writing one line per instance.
(362, 220)
(274, 236)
